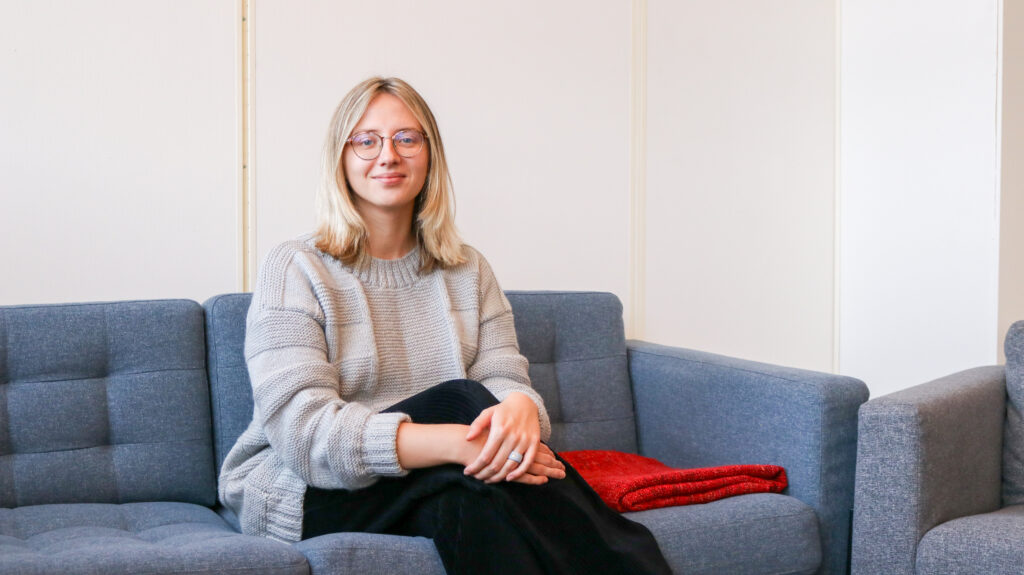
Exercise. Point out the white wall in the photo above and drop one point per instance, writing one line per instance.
(118, 143)
(919, 209)
(740, 180)
(534, 112)
(120, 167)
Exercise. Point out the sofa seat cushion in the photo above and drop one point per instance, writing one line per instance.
(134, 538)
(758, 533)
(989, 543)
(370, 554)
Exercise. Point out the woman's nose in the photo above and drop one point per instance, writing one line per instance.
(388, 154)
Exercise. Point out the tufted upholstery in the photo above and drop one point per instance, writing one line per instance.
(577, 351)
(134, 538)
(85, 391)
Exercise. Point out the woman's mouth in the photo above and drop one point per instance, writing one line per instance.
(389, 178)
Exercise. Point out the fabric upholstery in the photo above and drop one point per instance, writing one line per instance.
(926, 455)
(697, 409)
(1013, 434)
(577, 351)
(104, 403)
(134, 538)
(989, 543)
(760, 533)
(230, 390)
(370, 554)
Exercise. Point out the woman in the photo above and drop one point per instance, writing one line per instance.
(360, 339)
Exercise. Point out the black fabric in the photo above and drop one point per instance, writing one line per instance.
(560, 527)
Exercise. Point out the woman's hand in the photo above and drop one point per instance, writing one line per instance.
(545, 465)
(514, 425)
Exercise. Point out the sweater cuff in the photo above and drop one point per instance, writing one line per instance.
(380, 452)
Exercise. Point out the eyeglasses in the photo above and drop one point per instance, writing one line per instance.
(367, 145)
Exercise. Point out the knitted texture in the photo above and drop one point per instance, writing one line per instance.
(628, 482)
(328, 347)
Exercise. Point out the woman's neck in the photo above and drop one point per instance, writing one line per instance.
(390, 239)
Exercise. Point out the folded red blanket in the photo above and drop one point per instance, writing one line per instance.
(628, 482)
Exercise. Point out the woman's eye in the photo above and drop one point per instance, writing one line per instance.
(364, 141)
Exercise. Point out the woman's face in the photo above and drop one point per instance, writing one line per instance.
(387, 185)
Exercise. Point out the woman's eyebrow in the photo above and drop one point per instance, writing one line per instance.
(376, 131)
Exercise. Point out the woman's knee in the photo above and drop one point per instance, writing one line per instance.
(470, 389)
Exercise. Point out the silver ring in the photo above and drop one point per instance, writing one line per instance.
(516, 456)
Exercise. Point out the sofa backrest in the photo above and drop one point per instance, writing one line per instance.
(104, 403)
(574, 341)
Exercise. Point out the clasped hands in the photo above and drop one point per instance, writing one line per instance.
(512, 425)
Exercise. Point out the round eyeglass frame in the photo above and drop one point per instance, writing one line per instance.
(380, 143)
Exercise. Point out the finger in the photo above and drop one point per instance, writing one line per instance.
(502, 474)
(486, 458)
(482, 422)
(529, 451)
(531, 479)
(545, 460)
(498, 462)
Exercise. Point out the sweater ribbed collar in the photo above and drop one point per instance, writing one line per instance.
(399, 273)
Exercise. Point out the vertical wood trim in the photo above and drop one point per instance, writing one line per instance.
(638, 171)
(247, 205)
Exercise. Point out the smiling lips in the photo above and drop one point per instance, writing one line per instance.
(389, 178)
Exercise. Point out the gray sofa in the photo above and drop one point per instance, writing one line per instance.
(940, 475)
(117, 415)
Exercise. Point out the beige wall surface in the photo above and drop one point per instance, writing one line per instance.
(1011, 246)
(740, 180)
(121, 137)
(534, 111)
(920, 192)
(118, 150)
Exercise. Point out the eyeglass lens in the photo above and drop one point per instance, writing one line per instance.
(367, 145)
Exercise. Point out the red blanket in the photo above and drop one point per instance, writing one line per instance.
(629, 482)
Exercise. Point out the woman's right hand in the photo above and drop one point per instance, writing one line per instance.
(545, 465)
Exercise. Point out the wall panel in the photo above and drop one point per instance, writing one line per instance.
(118, 150)
(740, 181)
(532, 99)
(919, 189)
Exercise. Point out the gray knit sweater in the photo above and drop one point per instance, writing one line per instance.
(328, 347)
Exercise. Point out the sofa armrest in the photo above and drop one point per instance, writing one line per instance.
(926, 455)
(697, 409)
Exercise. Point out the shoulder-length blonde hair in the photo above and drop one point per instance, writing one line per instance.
(340, 230)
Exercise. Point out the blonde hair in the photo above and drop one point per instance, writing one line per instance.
(340, 229)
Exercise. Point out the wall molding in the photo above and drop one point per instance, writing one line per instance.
(247, 207)
(638, 172)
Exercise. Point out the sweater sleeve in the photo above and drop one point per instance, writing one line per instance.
(499, 366)
(328, 442)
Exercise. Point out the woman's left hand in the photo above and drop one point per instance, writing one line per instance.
(514, 426)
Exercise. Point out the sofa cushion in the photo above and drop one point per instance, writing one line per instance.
(370, 554)
(575, 343)
(989, 543)
(1013, 435)
(133, 538)
(104, 403)
(759, 533)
